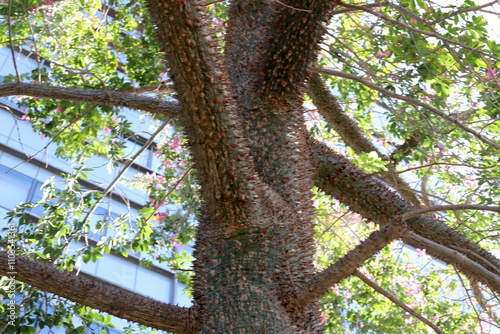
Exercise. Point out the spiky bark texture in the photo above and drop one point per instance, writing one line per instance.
(375, 201)
(352, 135)
(254, 245)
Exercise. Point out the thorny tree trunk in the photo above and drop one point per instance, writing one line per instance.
(243, 116)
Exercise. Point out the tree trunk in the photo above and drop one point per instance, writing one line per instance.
(243, 116)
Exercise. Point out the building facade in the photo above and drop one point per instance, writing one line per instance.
(27, 160)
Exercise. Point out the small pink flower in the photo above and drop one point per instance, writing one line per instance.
(107, 130)
(421, 252)
(382, 54)
(470, 181)
(175, 143)
(25, 118)
(59, 110)
(413, 21)
(491, 72)
(42, 136)
(160, 215)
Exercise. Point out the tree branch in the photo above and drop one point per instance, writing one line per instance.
(412, 101)
(450, 208)
(464, 263)
(97, 96)
(212, 125)
(348, 264)
(100, 295)
(417, 30)
(372, 199)
(352, 135)
(396, 301)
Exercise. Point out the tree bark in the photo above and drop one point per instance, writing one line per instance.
(100, 295)
(97, 96)
(373, 200)
(352, 135)
(350, 262)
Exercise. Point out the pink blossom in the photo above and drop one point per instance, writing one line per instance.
(175, 242)
(25, 118)
(491, 72)
(470, 181)
(175, 143)
(383, 141)
(107, 130)
(382, 54)
(413, 21)
(59, 110)
(421, 252)
(42, 136)
(160, 215)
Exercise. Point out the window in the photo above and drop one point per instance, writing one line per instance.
(16, 188)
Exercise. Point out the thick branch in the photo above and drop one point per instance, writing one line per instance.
(396, 301)
(100, 295)
(352, 135)
(97, 96)
(209, 111)
(372, 199)
(350, 262)
(412, 101)
(274, 42)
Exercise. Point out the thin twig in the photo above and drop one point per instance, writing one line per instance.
(294, 8)
(396, 301)
(54, 138)
(449, 208)
(454, 257)
(412, 101)
(10, 42)
(464, 10)
(125, 168)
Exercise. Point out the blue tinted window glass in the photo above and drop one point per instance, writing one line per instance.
(15, 188)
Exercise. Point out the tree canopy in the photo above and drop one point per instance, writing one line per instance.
(335, 164)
